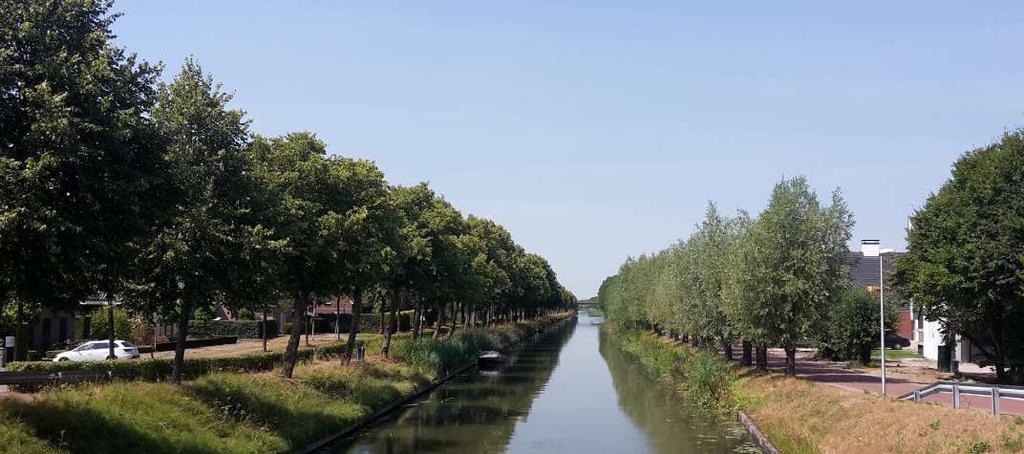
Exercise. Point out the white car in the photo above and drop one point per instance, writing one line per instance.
(98, 351)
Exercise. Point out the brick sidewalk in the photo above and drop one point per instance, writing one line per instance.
(834, 374)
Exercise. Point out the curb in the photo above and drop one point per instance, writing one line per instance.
(373, 419)
(759, 439)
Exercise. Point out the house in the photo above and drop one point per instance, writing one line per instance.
(924, 336)
(52, 327)
(327, 310)
(931, 341)
(867, 267)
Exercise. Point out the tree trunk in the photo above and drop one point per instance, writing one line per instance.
(790, 361)
(728, 351)
(746, 359)
(353, 327)
(392, 324)
(110, 328)
(179, 345)
(382, 318)
(1001, 375)
(439, 323)
(762, 358)
(265, 330)
(298, 320)
(417, 322)
(865, 354)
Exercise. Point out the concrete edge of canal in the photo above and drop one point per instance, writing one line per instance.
(372, 419)
(755, 434)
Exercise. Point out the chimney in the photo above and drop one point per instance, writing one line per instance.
(870, 248)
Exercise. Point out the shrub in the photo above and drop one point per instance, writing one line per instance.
(707, 379)
(852, 328)
(242, 329)
(123, 324)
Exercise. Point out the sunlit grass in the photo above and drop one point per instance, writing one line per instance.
(876, 354)
(236, 412)
(135, 417)
(804, 417)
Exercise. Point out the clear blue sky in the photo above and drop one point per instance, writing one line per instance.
(594, 131)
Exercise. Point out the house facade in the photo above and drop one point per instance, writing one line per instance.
(867, 269)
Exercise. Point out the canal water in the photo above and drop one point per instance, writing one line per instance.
(572, 390)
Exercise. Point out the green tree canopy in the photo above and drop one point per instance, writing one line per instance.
(79, 156)
(187, 264)
(965, 254)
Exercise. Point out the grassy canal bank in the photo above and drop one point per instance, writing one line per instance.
(240, 412)
(799, 416)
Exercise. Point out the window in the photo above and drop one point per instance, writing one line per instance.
(101, 345)
(126, 344)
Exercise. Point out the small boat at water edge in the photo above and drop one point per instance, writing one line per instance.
(490, 358)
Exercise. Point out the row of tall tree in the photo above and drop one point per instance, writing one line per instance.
(763, 282)
(160, 196)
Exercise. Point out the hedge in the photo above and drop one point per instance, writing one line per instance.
(368, 323)
(242, 329)
(189, 343)
(162, 369)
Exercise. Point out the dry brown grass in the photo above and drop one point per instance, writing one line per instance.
(803, 417)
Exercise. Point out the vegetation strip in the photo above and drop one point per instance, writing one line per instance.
(759, 439)
(244, 412)
(423, 390)
(799, 416)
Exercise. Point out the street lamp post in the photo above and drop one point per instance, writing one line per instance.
(881, 311)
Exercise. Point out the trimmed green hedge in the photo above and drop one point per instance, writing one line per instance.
(161, 369)
(190, 343)
(242, 329)
(368, 323)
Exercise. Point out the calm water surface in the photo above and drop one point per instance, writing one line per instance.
(572, 390)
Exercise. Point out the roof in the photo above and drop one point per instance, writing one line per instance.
(331, 307)
(864, 270)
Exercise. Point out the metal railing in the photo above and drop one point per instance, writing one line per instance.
(57, 378)
(995, 393)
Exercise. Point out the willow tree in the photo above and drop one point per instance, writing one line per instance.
(790, 267)
(965, 254)
(710, 246)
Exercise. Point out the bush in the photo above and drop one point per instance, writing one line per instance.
(705, 377)
(852, 327)
(123, 324)
(440, 356)
(708, 378)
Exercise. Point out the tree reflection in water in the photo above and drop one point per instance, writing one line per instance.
(580, 401)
